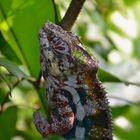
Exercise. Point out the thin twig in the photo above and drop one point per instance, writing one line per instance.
(131, 83)
(125, 100)
(72, 14)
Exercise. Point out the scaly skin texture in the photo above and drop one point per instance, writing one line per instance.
(79, 108)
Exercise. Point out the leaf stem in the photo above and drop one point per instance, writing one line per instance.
(131, 83)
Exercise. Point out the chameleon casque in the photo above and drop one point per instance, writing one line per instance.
(79, 108)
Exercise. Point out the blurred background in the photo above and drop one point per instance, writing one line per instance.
(109, 30)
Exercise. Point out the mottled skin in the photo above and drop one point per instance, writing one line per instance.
(79, 108)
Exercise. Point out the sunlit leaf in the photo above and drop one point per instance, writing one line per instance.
(20, 23)
(130, 2)
(7, 51)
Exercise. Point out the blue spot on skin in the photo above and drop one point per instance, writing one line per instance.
(87, 123)
(71, 134)
(82, 94)
(68, 95)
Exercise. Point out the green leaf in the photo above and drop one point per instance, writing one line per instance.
(12, 68)
(5, 87)
(136, 52)
(119, 110)
(3, 92)
(105, 76)
(8, 120)
(55, 137)
(128, 129)
(43, 100)
(130, 2)
(7, 51)
(20, 21)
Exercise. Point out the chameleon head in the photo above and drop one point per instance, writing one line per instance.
(52, 40)
(55, 48)
(63, 49)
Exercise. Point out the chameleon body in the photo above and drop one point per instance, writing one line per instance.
(79, 108)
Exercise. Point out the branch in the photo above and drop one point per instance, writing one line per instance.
(72, 14)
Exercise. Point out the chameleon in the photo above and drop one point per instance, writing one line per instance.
(79, 106)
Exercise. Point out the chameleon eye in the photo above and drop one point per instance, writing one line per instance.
(60, 46)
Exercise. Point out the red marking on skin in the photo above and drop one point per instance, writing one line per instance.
(66, 127)
(50, 38)
(71, 118)
(50, 131)
(60, 47)
(58, 43)
(66, 114)
(58, 127)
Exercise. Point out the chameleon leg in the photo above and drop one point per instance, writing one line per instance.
(62, 119)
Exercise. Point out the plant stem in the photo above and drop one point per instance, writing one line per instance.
(72, 14)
